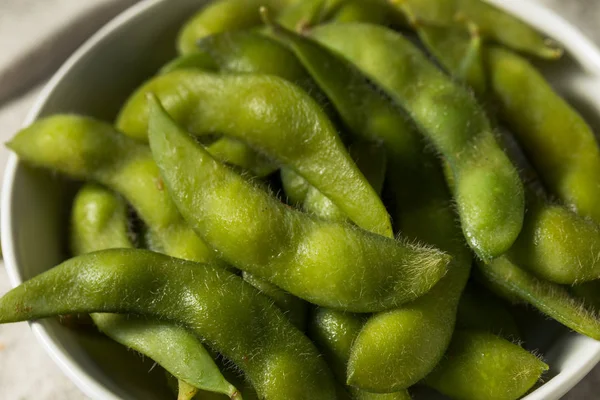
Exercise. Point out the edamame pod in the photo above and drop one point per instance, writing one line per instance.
(99, 221)
(371, 160)
(488, 191)
(494, 23)
(555, 244)
(221, 16)
(390, 354)
(87, 149)
(173, 347)
(293, 307)
(334, 332)
(397, 348)
(250, 52)
(198, 60)
(380, 12)
(276, 118)
(559, 143)
(480, 365)
(460, 52)
(589, 292)
(312, 259)
(308, 13)
(516, 285)
(236, 153)
(295, 187)
(229, 314)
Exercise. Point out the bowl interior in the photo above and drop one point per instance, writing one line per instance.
(95, 82)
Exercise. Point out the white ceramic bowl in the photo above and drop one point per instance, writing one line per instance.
(96, 80)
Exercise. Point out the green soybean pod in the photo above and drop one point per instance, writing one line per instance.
(397, 348)
(371, 160)
(274, 117)
(198, 60)
(173, 347)
(91, 150)
(460, 52)
(589, 293)
(488, 191)
(245, 52)
(334, 332)
(292, 306)
(481, 365)
(312, 259)
(380, 12)
(494, 23)
(236, 153)
(555, 243)
(307, 13)
(518, 286)
(99, 221)
(479, 310)
(218, 306)
(221, 16)
(251, 52)
(559, 143)
(295, 187)
(389, 353)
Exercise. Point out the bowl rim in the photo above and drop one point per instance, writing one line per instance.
(581, 48)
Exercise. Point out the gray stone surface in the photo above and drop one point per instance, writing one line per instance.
(26, 372)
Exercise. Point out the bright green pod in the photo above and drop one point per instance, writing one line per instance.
(389, 353)
(367, 114)
(334, 333)
(230, 315)
(488, 192)
(295, 187)
(91, 150)
(556, 139)
(236, 153)
(481, 311)
(396, 349)
(221, 16)
(380, 12)
(198, 60)
(173, 347)
(493, 23)
(371, 159)
(518, 286)
(308, 13)
(557, 245)
(99, 221)
(275, 118)
(460, 52)
(481, 365)
(589, 292)
(312, 259)
(293, 307)
(250, 52)
(246, 52)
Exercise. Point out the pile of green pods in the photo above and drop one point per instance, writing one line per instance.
(325, 199)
